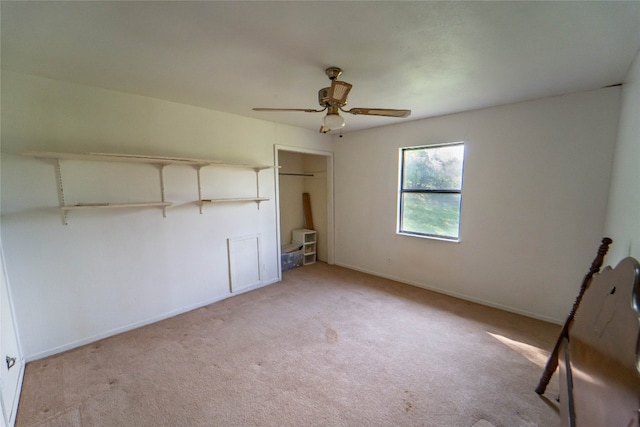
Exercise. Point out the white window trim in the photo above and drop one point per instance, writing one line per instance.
(399, 195)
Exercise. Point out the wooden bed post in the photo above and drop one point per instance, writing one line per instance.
(552, 363)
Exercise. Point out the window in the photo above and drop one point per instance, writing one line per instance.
(430, 193)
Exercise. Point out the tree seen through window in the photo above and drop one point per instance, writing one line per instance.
(431, 190)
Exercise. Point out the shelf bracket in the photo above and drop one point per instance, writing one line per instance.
(162, 195)
(199, 188)
(63, 212)
(257, 171)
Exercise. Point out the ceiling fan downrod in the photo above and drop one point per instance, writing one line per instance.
(333, 73)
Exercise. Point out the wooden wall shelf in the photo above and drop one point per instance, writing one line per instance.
(155, 160)
(236, 199)
(140, 158)
(115, 205)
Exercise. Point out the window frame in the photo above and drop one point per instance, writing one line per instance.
(402, 191)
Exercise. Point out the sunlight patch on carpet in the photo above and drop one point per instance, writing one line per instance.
(534, 354)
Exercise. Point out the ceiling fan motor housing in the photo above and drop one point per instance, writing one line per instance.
(323, 96)
(327, 95)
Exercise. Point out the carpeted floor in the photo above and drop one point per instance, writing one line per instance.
(327, 346)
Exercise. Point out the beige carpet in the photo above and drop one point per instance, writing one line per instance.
(325, 347)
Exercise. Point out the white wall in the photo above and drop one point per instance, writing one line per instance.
(108, 271)
(536, 178)
(623, 214)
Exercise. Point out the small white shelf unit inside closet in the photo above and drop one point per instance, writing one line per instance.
(161, 162)
(307, 238)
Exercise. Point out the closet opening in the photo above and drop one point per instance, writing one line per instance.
(303, 171)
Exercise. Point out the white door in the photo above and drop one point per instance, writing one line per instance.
(11, 361)
(245, 266)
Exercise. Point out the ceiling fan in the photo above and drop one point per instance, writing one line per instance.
(333, 99)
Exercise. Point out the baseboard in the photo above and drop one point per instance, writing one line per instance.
(132, 326)
(455, 294)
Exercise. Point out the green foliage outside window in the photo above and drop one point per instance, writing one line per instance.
(431, 190)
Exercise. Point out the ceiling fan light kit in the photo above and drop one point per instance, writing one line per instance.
(334, 98)
(332, 122)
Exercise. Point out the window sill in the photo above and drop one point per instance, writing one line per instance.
(421, 236)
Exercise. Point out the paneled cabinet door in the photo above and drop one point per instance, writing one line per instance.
(11, 359)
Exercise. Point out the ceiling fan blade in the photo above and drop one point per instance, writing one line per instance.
(379, 112)
(339, 92)
(306, 110)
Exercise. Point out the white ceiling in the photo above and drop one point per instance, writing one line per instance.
(431, 57)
